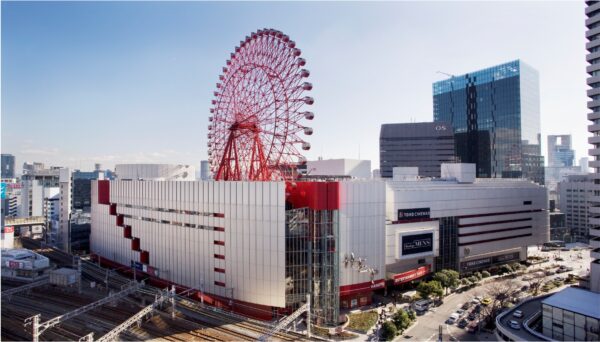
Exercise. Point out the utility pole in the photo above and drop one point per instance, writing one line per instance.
(172, 302)
(308, 315)
(79, 275)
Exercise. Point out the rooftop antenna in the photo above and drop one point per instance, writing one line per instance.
(444, 73)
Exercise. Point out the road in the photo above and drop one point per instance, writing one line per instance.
(427, 326)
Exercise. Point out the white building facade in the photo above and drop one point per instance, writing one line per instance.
(480, 223)
(256, 247)
(574, 195)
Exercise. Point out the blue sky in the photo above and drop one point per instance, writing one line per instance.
(115, 82)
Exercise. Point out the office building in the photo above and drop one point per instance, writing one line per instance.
(425, 145)
(560, 151)
(8, 166)
(477, 223)
(38, 172)
(495, 114)
(574, 195)
(75, 205)
(561, 162)
(558, 227)
(592, 12)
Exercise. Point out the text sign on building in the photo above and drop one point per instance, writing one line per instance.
(486, 262)
(412, 214)
(411, 275)
(416, 244)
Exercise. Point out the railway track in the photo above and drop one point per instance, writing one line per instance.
(206, 325)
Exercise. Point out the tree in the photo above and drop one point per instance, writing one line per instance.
(388, 331)
(501, 294)
(478, 275)
(485, 274)
(401, 320)
(535, 282)
(448, 278)
(430, 288)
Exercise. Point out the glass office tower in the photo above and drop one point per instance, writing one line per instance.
(495, 113)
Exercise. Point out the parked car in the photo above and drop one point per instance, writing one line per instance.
(452, 319)
(477, 308)
(463, 323)
(550, 272)
(460, 312)
(472, 328)
(518, 313)
(514, 324)
(525, 288)
(466, 305)
(486, 301)
(472, 316)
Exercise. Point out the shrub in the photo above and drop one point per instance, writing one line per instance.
(388, 331)
(485, 274)
(473, 279)
(478, 275)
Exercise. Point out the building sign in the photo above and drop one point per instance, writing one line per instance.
(9, 229)
(412, 214)
(2, 190)
(145, 268)
(411, 275)
(418, 243)
(487, 262)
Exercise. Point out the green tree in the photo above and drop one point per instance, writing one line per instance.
(430, 289)
(401, 320)
(448, 278)
(388, 331)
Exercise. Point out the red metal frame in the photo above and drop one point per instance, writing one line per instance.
(255, 125)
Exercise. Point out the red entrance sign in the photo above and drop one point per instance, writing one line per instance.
(411, 275)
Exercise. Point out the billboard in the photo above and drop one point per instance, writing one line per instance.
(416, 243)
(413, 214)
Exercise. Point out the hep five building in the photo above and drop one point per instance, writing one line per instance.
(459, 222)
(254, 247)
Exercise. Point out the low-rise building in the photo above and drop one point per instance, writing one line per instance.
(572, 314)
(23, 264)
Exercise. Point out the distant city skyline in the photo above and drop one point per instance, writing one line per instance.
(111, 82)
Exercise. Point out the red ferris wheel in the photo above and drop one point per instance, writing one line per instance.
(256, 121)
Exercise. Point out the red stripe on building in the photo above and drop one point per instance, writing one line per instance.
(356, 288)
(411, 275)
(103, 192)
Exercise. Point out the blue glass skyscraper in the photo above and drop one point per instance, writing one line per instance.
(495, 113)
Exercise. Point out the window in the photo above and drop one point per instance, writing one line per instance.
(526, 202)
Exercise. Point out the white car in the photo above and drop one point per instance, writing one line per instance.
(452, 319)
(518, 313)
(514, 324)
